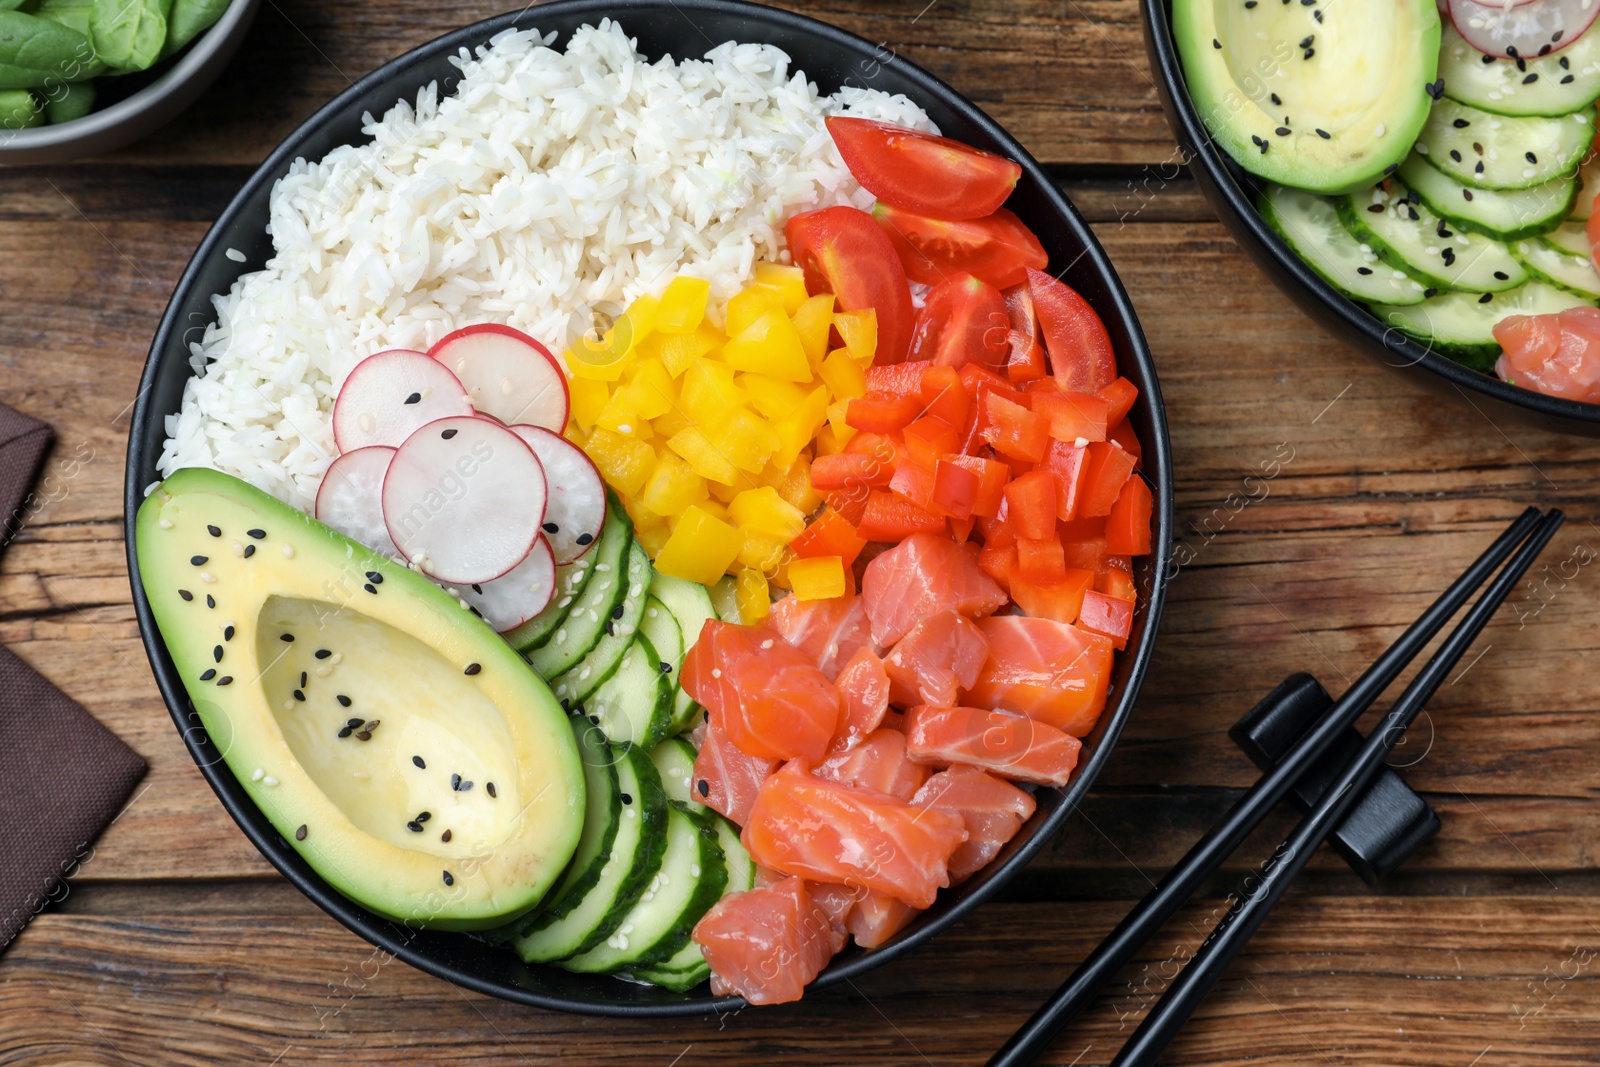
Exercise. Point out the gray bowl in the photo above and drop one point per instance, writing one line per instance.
(153, 106)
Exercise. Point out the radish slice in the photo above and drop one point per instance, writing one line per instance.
(1525, 30)
(507, 374)
(517, 596)
(391, 395)
(350, 498)
(577, 507)
(463, 500)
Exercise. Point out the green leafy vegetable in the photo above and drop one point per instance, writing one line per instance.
(128, 34)
(69, 102)
(189, 19)
(72, 13)
(34, 50)
(19, 110)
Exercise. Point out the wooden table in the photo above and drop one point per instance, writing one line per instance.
(177, 944)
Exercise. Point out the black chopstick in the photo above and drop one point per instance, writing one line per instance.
(1247, 812)
(1250, 909)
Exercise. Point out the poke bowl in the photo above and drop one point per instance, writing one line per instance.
(1393, 244)
(296, 594)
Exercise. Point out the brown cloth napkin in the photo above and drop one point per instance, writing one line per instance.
(63, 776)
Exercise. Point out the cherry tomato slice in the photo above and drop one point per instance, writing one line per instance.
(844, 253)
(963, 321)
(921, 172)
(1076, 339)
(997, 248)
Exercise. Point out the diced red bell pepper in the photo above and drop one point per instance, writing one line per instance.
(1108, 469)
(1060, 600)
(944, 396)
(999, 562)
(1015, 431)
(1123, 434)
(1108, 615)
(961, 529)
(1031, 505)
(929, 440)
(842, 470)
(1079, 347)
(883, 412)
(1114, 579)
(1067, 462)
(1128, 525)
(980, 384)
(897, 379)
(1041, 561)
(849, 502)
(1084, 553)
(1120, 394)
(992, 479)
(956, 489)
(889, 518)
(997, 531)
(914, 480)
(830, 534)
(963, 321)
(1072, 416)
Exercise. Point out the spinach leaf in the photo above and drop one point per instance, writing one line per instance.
(34, 51)
(128, 34)
(189, 19)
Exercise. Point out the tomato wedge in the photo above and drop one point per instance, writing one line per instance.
(963, 321)
(844, 253)
(1079, 347)
(997, 248)
(922, 172)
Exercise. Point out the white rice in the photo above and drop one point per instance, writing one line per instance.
(549, 187)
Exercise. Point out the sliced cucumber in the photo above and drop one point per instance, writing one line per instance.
(691, 969)
(601, 815)
(636, 854)
(687, 967)
(1507, 215)
(691, 879)
(1489, 151)
(690, 603)
(674, 760)
(1588, 186)
(741, 868)
(1461, 325)
(1310, 224)
(584, 624)
(1553, 85)
(1415, 239)
(725, 598)
(1548, 263)
(660, 625)
(1570, 237)
(635, 703)
(615, 628)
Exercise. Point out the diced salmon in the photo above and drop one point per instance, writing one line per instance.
(924, 575)
(878, 763)
(837, 901)
(770, 698)
(864, 686)
(726, 778)
(1554, 354)
(1010, 745)
(877, 917)
(1051, 671)
(765, 944)
(828, 631)
(993, 810)
(942, 655)
(828, 832)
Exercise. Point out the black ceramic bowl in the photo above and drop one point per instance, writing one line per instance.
(830, 57)
(1232, 193)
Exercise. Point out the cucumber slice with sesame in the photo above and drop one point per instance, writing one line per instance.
(1554, 265)
(602, 813)
(635, 703)
(1461, 325)
(587, 620)
(724, 595)
(741, 868)
(1413, 238)
(534, 637)
(687, 967)
(1548, 85)
(1570, 237)
(674, 760)
(1310, 224)
(691, 879)
(690, 604)
(1588, 186)
(636, 855)
(1488, 151)
(1505, 214)
(614, 629)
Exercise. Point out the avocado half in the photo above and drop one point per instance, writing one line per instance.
(398, 744)
(1311, 94)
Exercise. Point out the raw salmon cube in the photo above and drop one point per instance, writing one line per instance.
(726, 778)
(993, 810)
(877, 917)
(942, 655)
(924, 575)
(1010, 745)
(828, 631)
(863, 684)
(765, 944)
(837, 901)
(878, 763)
(770, 698)
(1051, 671)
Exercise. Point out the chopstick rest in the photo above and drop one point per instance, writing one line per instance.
(1390, 820)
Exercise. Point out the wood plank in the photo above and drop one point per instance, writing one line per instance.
(1395, 982)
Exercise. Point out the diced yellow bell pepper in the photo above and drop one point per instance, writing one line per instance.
(589, 398)
(859, 330)
(772, 397)
(817, 578)
(703, 455)
(828, 442)
(620, 416)
(678, 351)
(624, 463)
(751, 594)
(768, 345)
(701, 547)
(813, 321)
(652, 536)
(641, 320)
(794, 485)
(671, 423)
(672, 487)
(650, 390)
(715, 510)
(762, 552)
(842, 375)
(745, 440)
(596, 361)
(749, 305)
(683, 305)
(708, 392)
(724, 494)
(790, 281)
(842, 431)
(764, 511)
(797, 429)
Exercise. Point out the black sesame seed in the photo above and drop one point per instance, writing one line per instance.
(1275, 100)
(465, 786)
(1530, 157)
(211, 601)
(1478, 148)
(1511, 50)
(299, 694)
(216, 653)
(374, 577)
(226, 679)
(1455, 155)
(1363, 270)
(1376, 209)
(610, 628)
(1466, 194)
(1309, 53)
(1324, 134)
(414, 398)
(363, 735)
(704, 787)
(303, 679)
(1479, 168)
(490, 787)
(199, 561)
(1430, 292)
(1485, 298)
(1567, 80)
(323, 653)
(424, 816)
(666, 668)
(214, 531)
(1435, 89)
(345, 731)
(476, 588)
(344, 701)
(594, 720)
(211, 672)
(1488, 59)
(227, 633)
(1544, 50)
(369, 587)
(455, 782)
(1565, 65)
(1282, 131)
(446, 836)
(627, 798)
(1530, 79)
(551, 528)
(1461, 124)
(1249, 5)
(249, 550)
(1502, 275)
(1555, 38)
(414, 826)
(300, 834)
(257, 534)
(566, 705)
(447, 434)
(449, 879)
(1317, 14)
(372, 724)
(1307, 42)
(616, 612)
(353, 723)
(1215, 43)
(1413, 213)
(185, 594)
(475, 611)
(418, 761)
(473, 668)
(286, 638)
(584, 538)
(1449, 257)
(1522, 65)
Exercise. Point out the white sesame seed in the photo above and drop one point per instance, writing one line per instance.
(635, 589)
(1081, 442)
(564, 601)
(257, 775)
(602, 567)
(767, 643)
(207, 576)
(238, 549)
(165, 524)
(324, 670)
(716, 672)
(337, 657)
(561, 635)
(288, 551)
(269, 781)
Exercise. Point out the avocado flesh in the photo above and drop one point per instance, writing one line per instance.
(1363, 84)
(398, 649)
